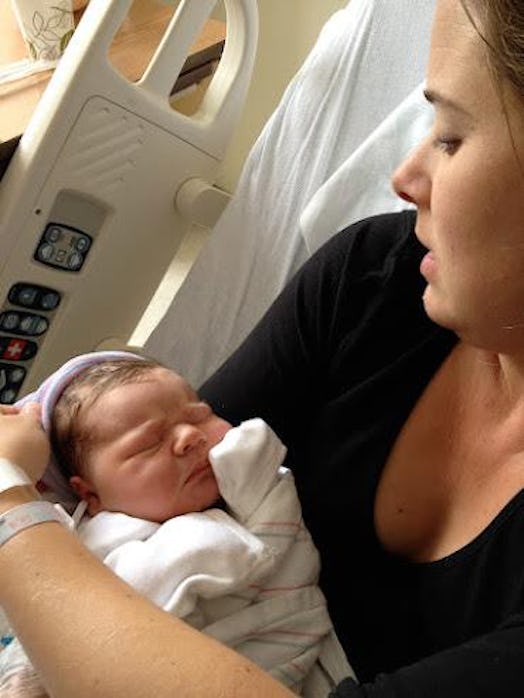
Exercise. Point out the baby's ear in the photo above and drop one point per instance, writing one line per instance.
(85, 491)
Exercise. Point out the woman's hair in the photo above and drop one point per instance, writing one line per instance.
(500, 24)
(69, 440)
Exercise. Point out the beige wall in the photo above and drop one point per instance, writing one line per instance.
(288, 29)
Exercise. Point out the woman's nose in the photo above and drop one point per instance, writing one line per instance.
(411, 180)
(187, 437)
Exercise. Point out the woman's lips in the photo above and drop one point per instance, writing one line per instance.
(428, 266)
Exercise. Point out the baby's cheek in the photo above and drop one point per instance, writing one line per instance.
(210, 487)
(220, 430)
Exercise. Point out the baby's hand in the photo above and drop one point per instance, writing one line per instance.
(22, 439)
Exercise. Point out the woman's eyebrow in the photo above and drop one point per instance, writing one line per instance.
(436, 98)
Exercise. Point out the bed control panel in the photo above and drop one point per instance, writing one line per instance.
(64, 239)
(25, 317)
(63, 247)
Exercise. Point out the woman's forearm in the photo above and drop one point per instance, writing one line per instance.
(88, 633)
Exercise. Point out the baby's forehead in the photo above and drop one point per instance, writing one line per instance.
(174, 380)
(155, 386)
(158, 377)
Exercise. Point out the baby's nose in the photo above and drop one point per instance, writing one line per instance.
(187, 438)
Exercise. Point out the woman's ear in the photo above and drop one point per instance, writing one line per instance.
(86, 492)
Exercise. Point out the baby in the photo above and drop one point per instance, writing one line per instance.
(199, 516)
(133, 437)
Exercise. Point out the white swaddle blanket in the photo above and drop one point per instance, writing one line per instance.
(248, 576)
(368, 58)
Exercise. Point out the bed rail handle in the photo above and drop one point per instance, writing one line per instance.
(211, 127)
(175, 45)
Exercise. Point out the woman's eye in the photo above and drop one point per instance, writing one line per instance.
(449, 146)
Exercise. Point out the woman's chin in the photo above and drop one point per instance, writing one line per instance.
(435, 309)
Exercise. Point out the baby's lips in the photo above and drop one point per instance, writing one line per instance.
(198, 469)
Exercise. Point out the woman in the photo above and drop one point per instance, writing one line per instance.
(404, 419)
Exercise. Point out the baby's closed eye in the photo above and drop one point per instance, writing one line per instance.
(146, 441)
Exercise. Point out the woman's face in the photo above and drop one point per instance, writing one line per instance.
(467, 180)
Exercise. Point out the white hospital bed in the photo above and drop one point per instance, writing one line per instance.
(95, 200)
(111, 160)
(108, 164)
(323, 160)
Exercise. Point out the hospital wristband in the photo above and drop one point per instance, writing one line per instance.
(30, 514)
(12, 475)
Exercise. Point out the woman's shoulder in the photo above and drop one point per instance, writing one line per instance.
(379, 231)
(373, 245)
(375, 258)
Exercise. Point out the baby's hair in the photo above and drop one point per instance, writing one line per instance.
(69, 440)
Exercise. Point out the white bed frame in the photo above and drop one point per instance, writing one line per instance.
(83, 166)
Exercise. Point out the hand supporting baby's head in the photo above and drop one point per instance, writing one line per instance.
(24, 442)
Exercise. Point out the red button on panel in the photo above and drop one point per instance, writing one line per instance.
(16, 349)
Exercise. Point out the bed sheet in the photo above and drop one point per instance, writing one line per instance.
(368, 60)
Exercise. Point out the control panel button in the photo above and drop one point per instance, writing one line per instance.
(32, 325)
(45, 253)
(17, 349)
(74, 261)
(83, 244)
(23, 323)
(53, 233)
(9, 321)
(63, 247)
(49, 301)
(11, 379)
(34, 296)
(7, 397)
(17, 375)
(27, 296)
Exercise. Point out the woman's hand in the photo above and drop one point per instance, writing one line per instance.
(22, 439)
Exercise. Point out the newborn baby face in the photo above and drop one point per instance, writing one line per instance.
(149, 448)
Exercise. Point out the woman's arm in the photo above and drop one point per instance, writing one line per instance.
(86, 631)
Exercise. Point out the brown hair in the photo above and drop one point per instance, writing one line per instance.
(500, 24)
(69, 440)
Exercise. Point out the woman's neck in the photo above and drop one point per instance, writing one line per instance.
(498, 378)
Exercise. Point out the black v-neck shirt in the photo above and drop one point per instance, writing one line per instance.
(336, 366)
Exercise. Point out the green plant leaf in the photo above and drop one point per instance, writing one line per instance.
(38, 22)
(65, 40)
